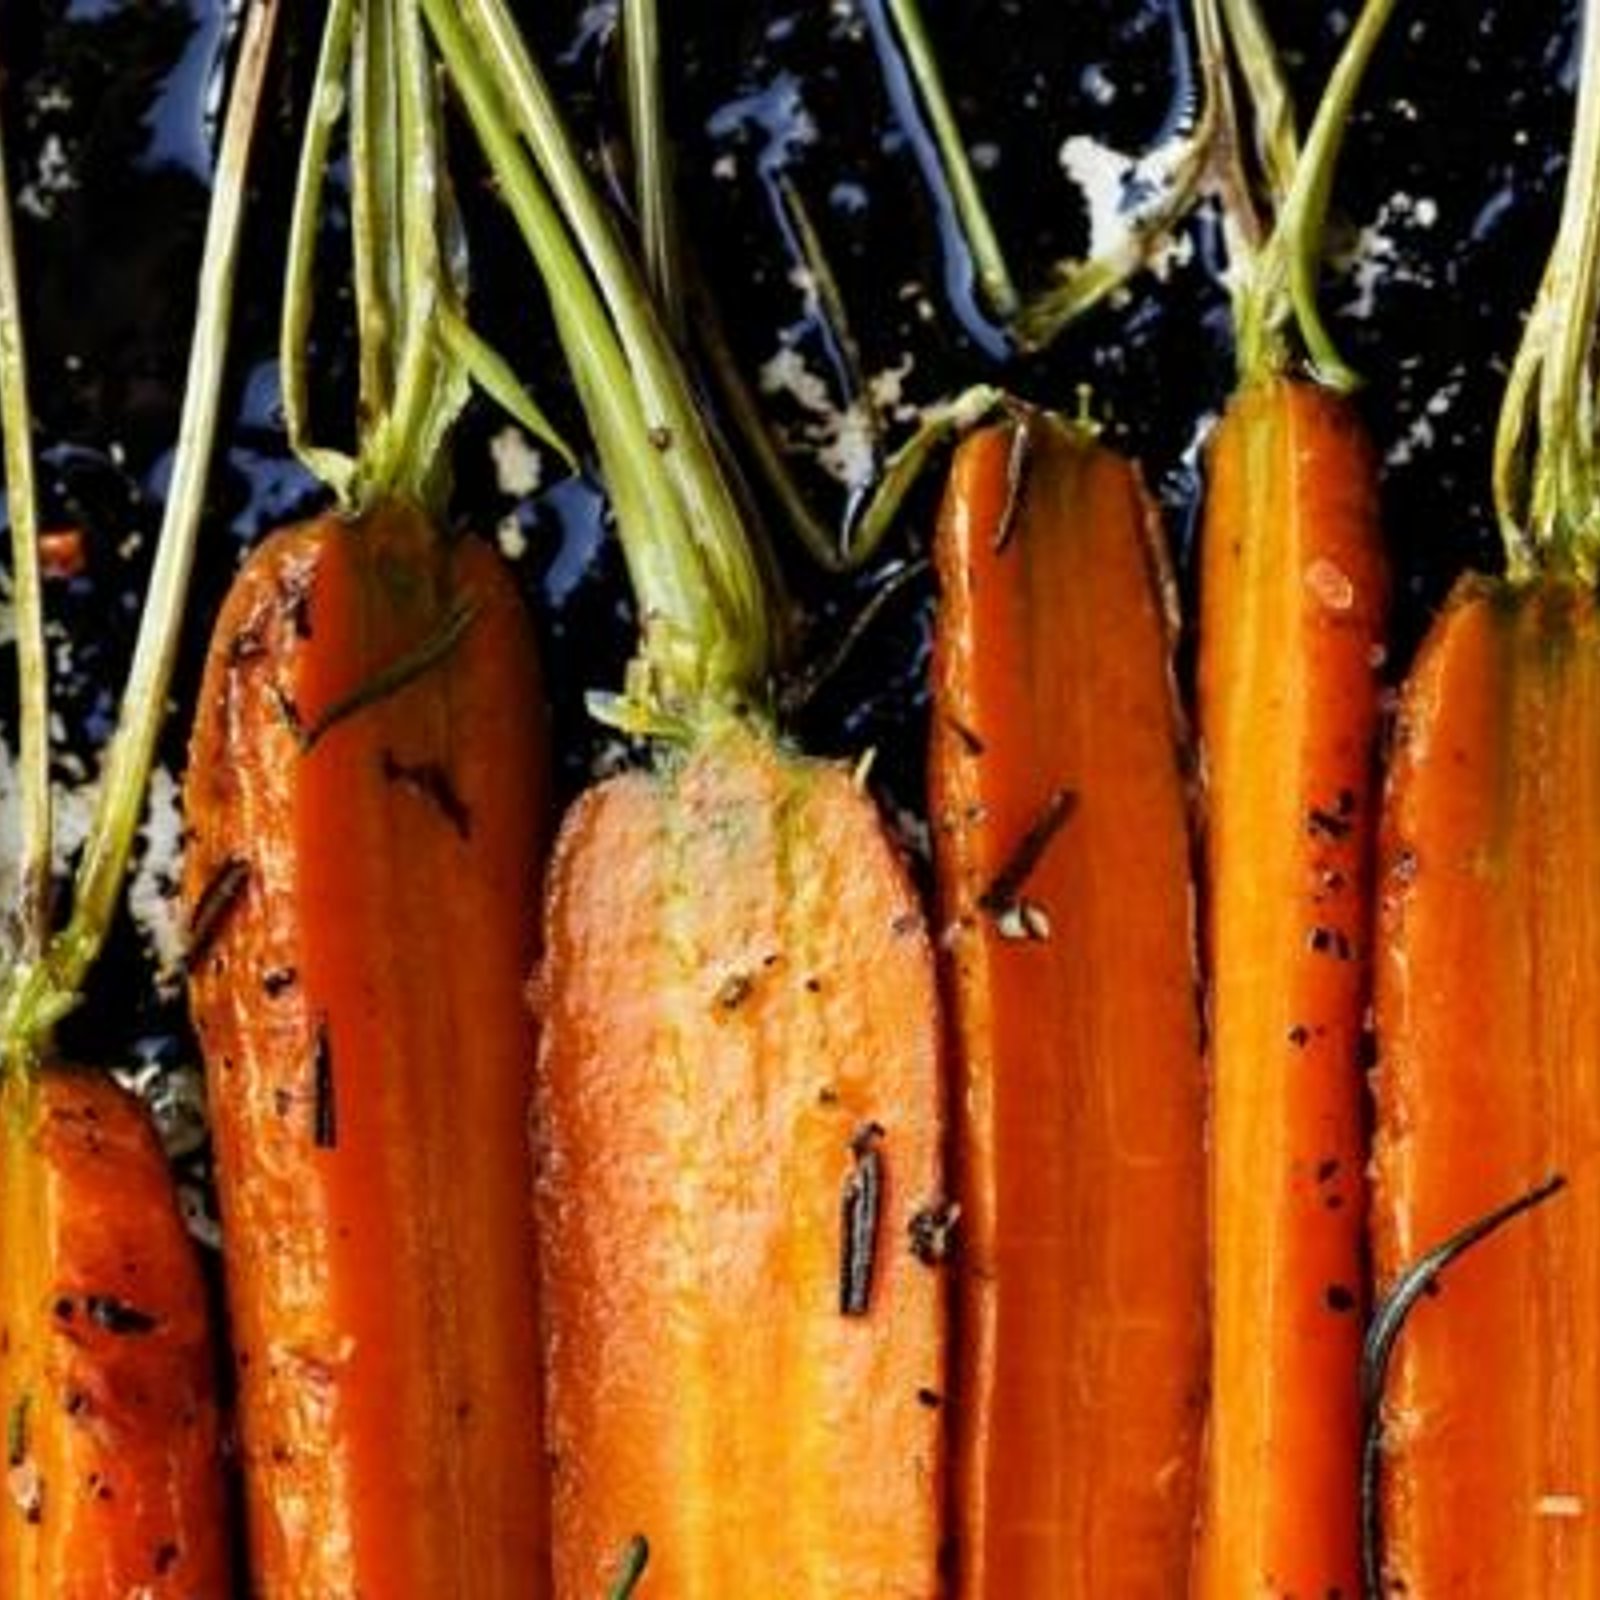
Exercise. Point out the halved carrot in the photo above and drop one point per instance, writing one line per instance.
(107, 1370)
(1292, 623)
(1059, 799)
(739, 1112)
(364, 870)
(1487, 1014)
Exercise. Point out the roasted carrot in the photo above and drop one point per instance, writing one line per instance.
(1292, 618)
(114, 1481)
(1488, 1007)
(360, 1008)
(113, 1463)
(366, 795)
(1060, 807)
(740, 1193)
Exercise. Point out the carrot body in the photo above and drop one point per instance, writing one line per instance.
(370, 1058)
(738, 988)
(114, 1481)
(1489, 1080)
(1293, 608)
(1079, 1116)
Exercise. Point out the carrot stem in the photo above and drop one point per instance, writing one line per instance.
(44, 991)
(1547, 459)
(708, 633)
(988, 256)
(652, 159)
(33, 673)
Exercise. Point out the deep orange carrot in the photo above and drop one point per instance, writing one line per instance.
(739, 1065)
(107, 1373)
(1487, 1013)
(365, 875)
(1292, 616)
(1059, 800)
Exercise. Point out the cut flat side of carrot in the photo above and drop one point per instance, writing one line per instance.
(367, 793)
(740, 1125)
(1078, 1098)
(114, 1481)
(1293, 604)
(1488, 1082)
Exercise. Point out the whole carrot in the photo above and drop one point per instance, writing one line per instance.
(366, 795)
(1487, 1003)
(1059, 798)
(108, 1385)
(740, 1193)
(1293, 604)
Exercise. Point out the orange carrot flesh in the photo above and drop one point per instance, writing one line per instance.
(1292, 616)
(739, 1068)
(1078, 1092)
(370, 1058)
(107, 1373)
(1488, 1081)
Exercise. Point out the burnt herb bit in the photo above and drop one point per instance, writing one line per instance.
(860, 1213)
(630, 1569)
(278, 981)
(1004, 894)
(1324, 824)
(324, 1105)
(970, 739)
(1017, 462)
(432, 782)
(17, 1430)
(217, 902)
(116, 1316)
(933, 1232)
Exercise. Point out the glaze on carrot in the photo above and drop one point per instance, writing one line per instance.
(107, 1373)
(1293, 599)
(367, 864)
(1059, 797)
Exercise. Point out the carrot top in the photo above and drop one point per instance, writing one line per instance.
(418, 355)
(1547, 452)
(1276, 194)
(45, 969)
(709, 634)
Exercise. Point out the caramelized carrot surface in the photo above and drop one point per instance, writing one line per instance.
(1060, 808)
(1489, 1081)
(114, 1482)
(1293, 606)
(740, 1191)
(366, 794)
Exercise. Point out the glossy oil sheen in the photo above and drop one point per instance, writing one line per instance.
(369, 1061)
(1293, 606)
(1078, 1102)
(113, 1465)
(738, 985)
(1489, 1082)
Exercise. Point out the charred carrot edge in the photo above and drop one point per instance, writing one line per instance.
(113, 1471)
(740, 1111)
(360, 1009)
(1059, 799)
(1292, 621)
(1487, 1000)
